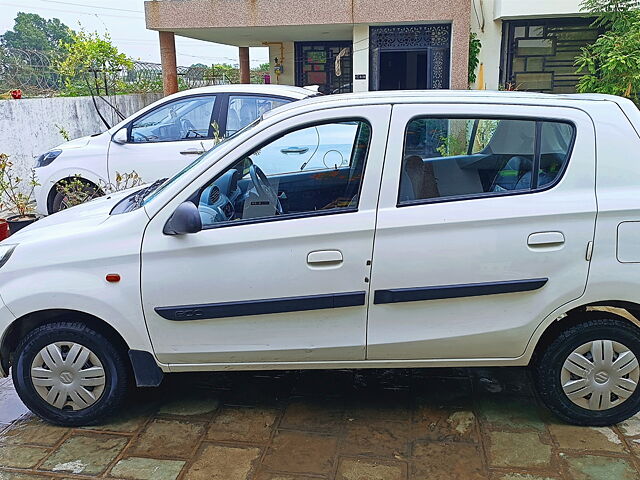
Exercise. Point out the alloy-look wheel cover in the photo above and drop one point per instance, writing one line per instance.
(600, 375)
(68, 376)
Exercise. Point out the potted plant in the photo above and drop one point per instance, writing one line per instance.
(17, 195)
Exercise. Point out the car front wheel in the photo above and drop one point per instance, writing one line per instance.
(69, 374)
(589, 374)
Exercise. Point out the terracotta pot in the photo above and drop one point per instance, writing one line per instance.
(4, 229)
(18, 222)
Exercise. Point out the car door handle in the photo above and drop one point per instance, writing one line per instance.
(192, 151)
(296, 150)
(545, 239)
(324, 257)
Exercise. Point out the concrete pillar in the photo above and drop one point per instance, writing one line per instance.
(245, 69)
(169, 63)
(360, 58)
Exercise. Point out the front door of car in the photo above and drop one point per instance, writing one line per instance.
(279, 272)
(164, 140)
(486, 217)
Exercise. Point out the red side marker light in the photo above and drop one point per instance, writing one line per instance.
(113, 277)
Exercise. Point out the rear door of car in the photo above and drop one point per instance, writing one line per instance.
(471, 252)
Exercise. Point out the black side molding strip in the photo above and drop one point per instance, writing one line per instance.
(261, 307)
(398, 295)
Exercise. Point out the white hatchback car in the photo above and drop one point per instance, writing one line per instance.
(157, 141)
(465, 229)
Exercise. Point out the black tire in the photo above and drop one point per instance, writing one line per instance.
(58, 202)
(114, 362)
(548, 366)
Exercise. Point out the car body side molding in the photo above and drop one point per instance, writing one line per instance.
(416, 294)
(261, 307)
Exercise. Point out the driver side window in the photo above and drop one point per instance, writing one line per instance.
(186, 119)
(316, 169)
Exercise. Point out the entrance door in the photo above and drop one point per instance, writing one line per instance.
(279, 272)
(409, 57)
(486, 213)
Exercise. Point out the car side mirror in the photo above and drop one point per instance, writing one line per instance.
(121, 136)
(186, 219)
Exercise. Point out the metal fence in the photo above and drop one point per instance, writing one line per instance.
(34, 74)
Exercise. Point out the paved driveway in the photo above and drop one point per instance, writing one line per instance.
(451, 424)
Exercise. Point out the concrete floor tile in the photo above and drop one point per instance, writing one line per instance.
(631, 427)
(446, 392)
(524, 450)
(147, 469)
(361, 469)
(378, 438)
(446, 461)
(21, 476)
(591, 467)
(281, 476)
(313, 415)
(444, 425)
(242, 424)
(522, 476)
(85, 454)
(190, 406)
(168, 438)
(586, 438)
(216, 462)
(510, 413)
(33, 431)
(21, 456)
(296, 452)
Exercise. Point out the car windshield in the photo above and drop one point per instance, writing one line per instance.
(149, 196)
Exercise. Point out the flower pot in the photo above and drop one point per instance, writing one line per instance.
(18, 222)
(4, 229)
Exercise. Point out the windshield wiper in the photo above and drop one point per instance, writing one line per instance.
(141, 194)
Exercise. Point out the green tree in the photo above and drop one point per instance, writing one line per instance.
(32, 32)
(92, 64)
(263, 67)
(611, 64)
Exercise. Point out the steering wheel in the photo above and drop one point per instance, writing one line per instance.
(187, 127)
(264, 188)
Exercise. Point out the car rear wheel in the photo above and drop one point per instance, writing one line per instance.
(69, 374)
(589, 374)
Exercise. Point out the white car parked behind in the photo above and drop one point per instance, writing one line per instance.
(157, 141)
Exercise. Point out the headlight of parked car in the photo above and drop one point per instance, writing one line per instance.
(46, 158)
(5, 253)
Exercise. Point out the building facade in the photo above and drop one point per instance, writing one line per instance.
(360, 45)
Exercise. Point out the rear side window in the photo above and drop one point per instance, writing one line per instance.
(449, 158)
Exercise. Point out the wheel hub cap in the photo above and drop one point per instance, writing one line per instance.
(68, 376)
(600, 375)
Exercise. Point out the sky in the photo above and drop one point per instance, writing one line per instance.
(124, 21)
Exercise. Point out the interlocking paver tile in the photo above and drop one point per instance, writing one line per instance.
(33, 431)
(586, 438)
(242, 424)
(168, 438)
(283, 476)
(511, 413)
(446, 461)
(21, 476)
(361, 469)
(442, 424)
(631, 427)
(147, 469)
(591, 467)
(521, 449)
(313, 415)
(21, 456)
(379, 438)
(217, 462)
(297, 452)
(85, 454)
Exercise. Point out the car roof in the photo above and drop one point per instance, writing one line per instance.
(441, 96)
(281, 90)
